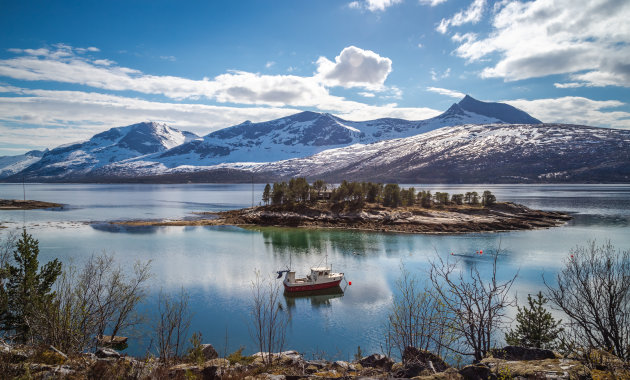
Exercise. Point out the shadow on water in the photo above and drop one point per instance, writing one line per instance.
(318, 298)
(594, 220)
(118, 228)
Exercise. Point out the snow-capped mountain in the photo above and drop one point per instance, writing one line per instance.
(301, 135)
(504, 112)
(10, 165)
(148, 149)
(113, 145)
(305, 134)
(475, 153)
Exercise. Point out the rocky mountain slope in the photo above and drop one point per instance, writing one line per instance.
(474, 154)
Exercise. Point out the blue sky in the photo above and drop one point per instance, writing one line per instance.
(70, 69)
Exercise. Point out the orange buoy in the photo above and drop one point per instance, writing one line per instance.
(349, 282)
(481, 252)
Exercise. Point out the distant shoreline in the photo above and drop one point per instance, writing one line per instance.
(500, 217)
(17, 204)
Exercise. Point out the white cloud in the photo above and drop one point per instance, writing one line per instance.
(576, 110)
(568, 85)
(104, 62)
(472, 14)
(435, 76)
(367, 94)
(171, 58)
(586, 39)
(420, 45)
(447, 92)
(269, 64)
(46, 118)
(432, 3)
(373, 5)
(355, 67)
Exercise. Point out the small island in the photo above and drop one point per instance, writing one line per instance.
(18, 204)
(370, 206)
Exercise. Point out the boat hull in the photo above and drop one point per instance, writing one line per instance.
(310, 287)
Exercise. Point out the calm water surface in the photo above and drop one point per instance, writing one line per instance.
(216, 264)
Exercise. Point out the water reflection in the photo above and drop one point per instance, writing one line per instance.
(317, 298)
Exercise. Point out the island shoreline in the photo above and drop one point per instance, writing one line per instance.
(502, 217)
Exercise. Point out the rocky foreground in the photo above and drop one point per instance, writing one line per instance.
(504, 216)
(507, 363)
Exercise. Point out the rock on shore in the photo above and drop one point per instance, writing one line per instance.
(48, 362)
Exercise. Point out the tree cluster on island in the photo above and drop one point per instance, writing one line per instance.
(298, 190)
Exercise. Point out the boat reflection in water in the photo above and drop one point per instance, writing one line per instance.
(318, 298)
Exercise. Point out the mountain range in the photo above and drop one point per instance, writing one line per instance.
(471, 141)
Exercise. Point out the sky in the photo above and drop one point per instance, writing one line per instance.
(70, 69)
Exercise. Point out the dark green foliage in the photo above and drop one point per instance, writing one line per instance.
(471, 198)
(488, 199)
(195, 352)
(266, 197)
(279, 193)
(373, 191)
(298, 190)
(408, 196)
(458, 199)
(391, 195)
(535, 326)
(426, 199)
(26, 289)
(441, 198)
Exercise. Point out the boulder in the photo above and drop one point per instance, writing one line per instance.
(377, 361)
(522, 353)
(418, 362)
(107, 353)
(477, 372)
(209, 352)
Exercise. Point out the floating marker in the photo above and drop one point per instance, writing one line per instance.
(451, 253)
(349, 282)
(481, 252)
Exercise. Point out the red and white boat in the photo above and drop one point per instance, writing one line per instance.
(319, 278)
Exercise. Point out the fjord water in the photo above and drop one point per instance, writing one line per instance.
(216, 265)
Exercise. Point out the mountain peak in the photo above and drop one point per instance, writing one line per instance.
(501, 111)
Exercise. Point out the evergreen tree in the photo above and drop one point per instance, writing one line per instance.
(391, 195)
(27, 290)
(535, 326)
(266, 197)
(488, 199)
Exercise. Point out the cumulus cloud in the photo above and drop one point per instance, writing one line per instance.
(472, 14)
(374, 5)
(588, 40)
(446, 92)
(576, 110)
(432, 3)
(354, 67)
